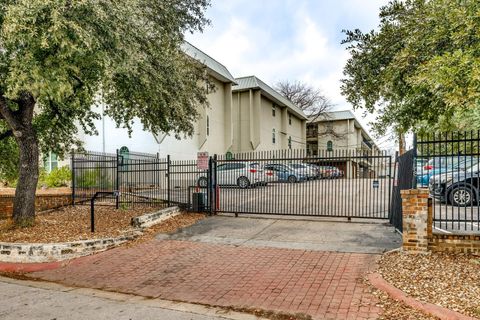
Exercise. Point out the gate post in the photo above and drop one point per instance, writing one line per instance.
(417, 220)
(73, 177)
(168, 180)
(414, 180)
(117, 182)
(210, 192)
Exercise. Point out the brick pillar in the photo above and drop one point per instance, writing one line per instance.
(417, 224)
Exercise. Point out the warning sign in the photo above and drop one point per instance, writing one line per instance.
(202, 160)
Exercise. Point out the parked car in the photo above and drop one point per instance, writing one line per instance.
(458, 188)
(316, 170)
(442, 165)
(241, 174)
(331, 172)
(285, 173)
(269, 175)
(304, 170)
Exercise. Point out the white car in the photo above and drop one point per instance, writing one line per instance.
(304, 170)
(241, 174)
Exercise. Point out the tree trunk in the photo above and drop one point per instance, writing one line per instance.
(24, 203)
(401, 143)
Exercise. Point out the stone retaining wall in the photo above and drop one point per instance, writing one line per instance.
(418, 235)
(43, 201)
(151, 219)
(48, 252)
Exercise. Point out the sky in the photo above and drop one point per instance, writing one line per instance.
(278, 40)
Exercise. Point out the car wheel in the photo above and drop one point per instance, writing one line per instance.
(292, 179)
(202, 182)
(461, 197)
(243, 182)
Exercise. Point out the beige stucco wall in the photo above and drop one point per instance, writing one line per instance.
(219, 138)
(254, 123)
(348, 136)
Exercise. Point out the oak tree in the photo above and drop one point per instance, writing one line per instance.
(60, 58)
(419, 70)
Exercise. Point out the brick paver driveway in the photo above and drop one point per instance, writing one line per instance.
(326, 285)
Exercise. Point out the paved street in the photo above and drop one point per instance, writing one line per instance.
(276, 270)
(39, 301)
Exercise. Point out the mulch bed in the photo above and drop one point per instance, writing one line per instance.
(73, 223)
(395, 310)
(448, 280)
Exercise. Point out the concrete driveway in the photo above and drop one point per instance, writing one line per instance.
(317, 235)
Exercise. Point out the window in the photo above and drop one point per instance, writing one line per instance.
(273, 136)
(289, 142)
(290, 119)
(273, 110)
(50, 162)
(329, 146)
(208, 126)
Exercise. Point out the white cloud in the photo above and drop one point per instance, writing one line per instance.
(308, 50)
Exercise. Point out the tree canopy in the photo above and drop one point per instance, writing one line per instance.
(420, 69)
(59, 58)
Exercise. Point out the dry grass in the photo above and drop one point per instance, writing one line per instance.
(448, 280)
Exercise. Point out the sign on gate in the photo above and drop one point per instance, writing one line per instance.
(202, 160)
(376, 184)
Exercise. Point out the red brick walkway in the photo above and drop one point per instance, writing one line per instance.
(325, 285)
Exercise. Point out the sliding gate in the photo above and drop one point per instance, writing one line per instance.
(331, 183)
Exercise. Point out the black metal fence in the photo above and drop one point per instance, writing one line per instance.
(403, 173)
(139, 178)
(448, 164)
(339, 183)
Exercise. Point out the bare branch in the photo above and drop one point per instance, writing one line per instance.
(312, 101)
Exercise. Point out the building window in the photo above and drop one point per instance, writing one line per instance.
(273, 136)
(50, 162)
(208, 125)
(273, 110)
(329, 146)
(289, 142)
(290, 119)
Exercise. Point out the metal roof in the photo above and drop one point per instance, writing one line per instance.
(343, 115)
(252, 82)
(216, 69)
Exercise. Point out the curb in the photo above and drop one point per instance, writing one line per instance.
(440, 312)
(29, 267)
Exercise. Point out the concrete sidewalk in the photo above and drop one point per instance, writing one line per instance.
(295, 233)
(45, 301)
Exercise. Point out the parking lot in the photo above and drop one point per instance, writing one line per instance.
(452, 219)
(361, 198)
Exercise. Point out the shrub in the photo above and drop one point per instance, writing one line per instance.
(58, 177)
(97, 178)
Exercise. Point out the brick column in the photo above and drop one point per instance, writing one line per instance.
(417, 224)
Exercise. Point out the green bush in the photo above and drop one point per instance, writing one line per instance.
(58, 177)
(93, 178)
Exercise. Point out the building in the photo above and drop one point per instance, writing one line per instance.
(213, 131)
(243, 115)
(264, 120)
(340, 133)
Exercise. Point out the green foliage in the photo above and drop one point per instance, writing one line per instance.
(93, 178)
(421, 69)
(59, 177)
(68, 56)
